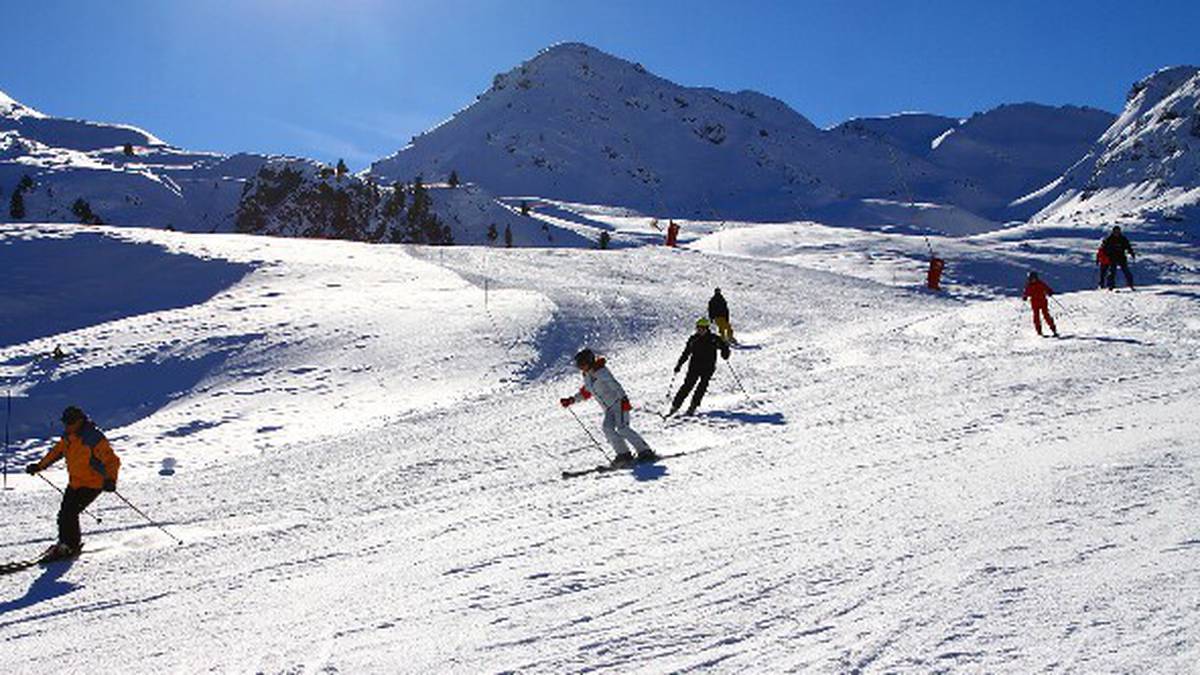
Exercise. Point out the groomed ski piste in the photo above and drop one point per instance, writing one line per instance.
(361, 448)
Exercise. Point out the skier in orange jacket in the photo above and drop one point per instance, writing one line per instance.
(1038, 294)
(92, 467)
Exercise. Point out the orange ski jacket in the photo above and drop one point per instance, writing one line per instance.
(90, 459)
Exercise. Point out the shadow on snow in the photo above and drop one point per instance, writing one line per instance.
(46, 587)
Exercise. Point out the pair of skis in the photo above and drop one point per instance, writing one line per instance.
(609, 468)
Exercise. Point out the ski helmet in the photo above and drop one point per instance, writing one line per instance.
(72, 415)
(585, 357)
(1033, 276)
(702, 323)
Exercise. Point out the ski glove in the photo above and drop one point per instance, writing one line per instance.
(626, 406)
(31, 469)
(566, 402)
(110, 485)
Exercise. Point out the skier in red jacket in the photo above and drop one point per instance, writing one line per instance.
(1104, 262)
(1038, 294)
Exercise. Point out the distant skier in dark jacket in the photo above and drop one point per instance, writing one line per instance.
(1115, 246)
(1038, 294)
(718, 311)
(92, 468)
(702, 348)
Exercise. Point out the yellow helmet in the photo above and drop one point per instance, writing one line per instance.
(702, 323)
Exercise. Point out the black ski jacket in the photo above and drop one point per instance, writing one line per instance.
(717, 307)
(703, 348)
(1115, 247)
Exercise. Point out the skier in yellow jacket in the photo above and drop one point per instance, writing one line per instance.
(92, 467)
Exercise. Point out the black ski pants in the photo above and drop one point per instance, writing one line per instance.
(695, 378)
(1112, 273)
(75, 500)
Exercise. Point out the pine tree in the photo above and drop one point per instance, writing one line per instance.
(605, 239)
(128, 150)
(507, 237)
(16, 206)
(342, 169)
(453, 178)
(524, 208)
(83, 211)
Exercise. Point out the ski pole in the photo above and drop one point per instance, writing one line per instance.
(589, 434)
(739, 382)
(671, 387)
(148, 518)
(1060, 305)
(95, 518)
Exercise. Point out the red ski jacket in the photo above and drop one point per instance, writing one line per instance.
(1036, 292)
(1102, 257)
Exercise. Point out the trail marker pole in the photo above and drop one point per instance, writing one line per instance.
(7, 419)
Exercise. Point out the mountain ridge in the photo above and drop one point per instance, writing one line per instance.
(579, 124)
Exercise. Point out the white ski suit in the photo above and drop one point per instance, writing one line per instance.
(600, 383)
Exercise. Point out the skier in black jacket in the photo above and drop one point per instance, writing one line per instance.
(718, 311)
(1115, 246)
(702, 348)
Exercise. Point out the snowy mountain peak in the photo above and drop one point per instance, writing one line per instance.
(577, 55)
(13, 109)
(578, 124)
(570, 64)
(1145, 167)
(1153, 88)
(575, 52)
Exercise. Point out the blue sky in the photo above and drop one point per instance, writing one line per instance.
(355, 79)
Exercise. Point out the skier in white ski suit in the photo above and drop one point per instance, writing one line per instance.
(599, 382)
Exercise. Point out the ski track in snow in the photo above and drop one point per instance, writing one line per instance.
(915, 483)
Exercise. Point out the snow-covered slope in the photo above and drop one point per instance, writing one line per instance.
(367, 447)
(576, 124)
(1144, 169)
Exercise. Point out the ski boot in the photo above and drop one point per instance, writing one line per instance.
(646, 456)
(622, 461)
(61, 551)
